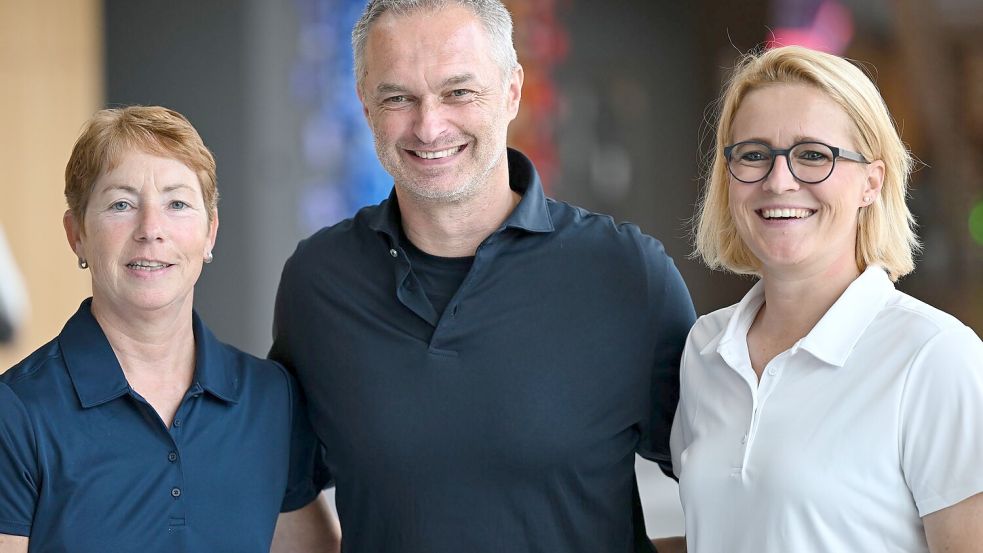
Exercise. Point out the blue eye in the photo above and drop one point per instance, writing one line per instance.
(395, 99)
(178, 204)
(120, 206)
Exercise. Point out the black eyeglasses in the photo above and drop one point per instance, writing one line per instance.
(809, 162)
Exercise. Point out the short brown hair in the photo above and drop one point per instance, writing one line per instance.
(886, 233)
(109, 133)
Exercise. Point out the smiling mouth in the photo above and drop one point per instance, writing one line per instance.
(148, 265)
(438, 154)
(785, 213)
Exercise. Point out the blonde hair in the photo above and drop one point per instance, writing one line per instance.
(886, 235)
(109, 133)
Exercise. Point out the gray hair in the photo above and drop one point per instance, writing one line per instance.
(494, 16)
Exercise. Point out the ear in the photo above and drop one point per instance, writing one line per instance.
(361, 98)
(514, 91)
(212, 234)
(73, 233)
(874, 182)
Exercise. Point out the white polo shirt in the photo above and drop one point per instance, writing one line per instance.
(871, 421)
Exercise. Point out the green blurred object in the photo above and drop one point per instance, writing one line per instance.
(976, 223)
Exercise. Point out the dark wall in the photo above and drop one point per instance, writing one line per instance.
(225, 64)
(640, 82)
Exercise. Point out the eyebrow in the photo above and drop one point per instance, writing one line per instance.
(133, 190)
(797, 139)
(455, 80)
(173, 187)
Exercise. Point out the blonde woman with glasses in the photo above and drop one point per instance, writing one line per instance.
(826, 411)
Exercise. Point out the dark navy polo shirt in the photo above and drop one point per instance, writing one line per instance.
(510, 422)
(87, 465)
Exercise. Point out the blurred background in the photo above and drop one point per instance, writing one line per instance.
(616, 113)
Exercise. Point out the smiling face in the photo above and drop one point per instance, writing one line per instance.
(436, 103)
(791, 226)
(146, 235)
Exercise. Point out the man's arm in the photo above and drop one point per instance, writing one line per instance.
(956, 529)
(13, 544)
(310, 529)
(675, 544)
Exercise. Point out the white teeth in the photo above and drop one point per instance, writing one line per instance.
(438, 155)
(147, 265)
(786, 213)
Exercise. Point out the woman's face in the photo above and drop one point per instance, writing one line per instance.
(146, 235)
(818, 232)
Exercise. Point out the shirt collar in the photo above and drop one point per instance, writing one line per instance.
(731, 343)
(834, 336)
(98, 377)
(531, 214)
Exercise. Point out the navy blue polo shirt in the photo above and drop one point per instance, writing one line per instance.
(87, 465)
(510, 422)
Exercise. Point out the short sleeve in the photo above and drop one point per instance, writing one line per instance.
(19, 475)
(674, 316)
(309, 473)
(941, 420)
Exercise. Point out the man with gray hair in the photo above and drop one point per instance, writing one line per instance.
(482, 363)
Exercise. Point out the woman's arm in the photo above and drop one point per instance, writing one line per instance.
(310, 529)
(956, 529)
(13, 544)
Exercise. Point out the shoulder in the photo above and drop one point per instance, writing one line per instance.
(934, 349)
(921, 331)
(344, 236)
(33, 379)
(914, 319)
(602, 233)
(255, 372)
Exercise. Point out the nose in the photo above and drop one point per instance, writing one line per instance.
(430, 122)
(149, 225)
(780, 179)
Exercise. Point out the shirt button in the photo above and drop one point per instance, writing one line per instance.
(177, 422)
(393, 253)
(172, 456)
(773, 371)
(175, 492)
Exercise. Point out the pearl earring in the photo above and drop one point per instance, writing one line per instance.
(83, 264)
(209, 257)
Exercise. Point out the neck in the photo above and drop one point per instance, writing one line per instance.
(156, 346)
(457, 228)
(795, 301)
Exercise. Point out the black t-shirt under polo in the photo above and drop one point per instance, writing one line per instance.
(509, 421)
(440, 277)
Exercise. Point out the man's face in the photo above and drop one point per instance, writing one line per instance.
(436, 102)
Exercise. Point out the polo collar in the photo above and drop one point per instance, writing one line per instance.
(531, 214)
(834, 336)
(837, 333)
(98, 378)
(731, 343)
